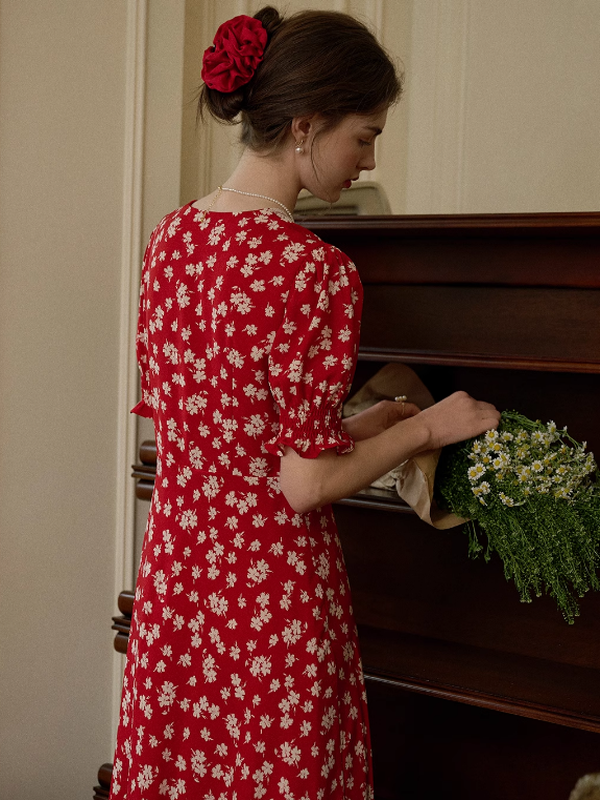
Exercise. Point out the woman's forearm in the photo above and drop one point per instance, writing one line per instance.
(377, 418)
(311, 483)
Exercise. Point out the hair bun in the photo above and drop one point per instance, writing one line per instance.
(304, 71)
(271, 19)
(225, 106)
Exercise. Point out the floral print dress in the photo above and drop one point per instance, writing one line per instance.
(243, 678)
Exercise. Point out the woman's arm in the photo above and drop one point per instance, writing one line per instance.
(310, 483)
(378, 418)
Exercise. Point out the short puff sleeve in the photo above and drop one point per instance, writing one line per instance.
(313, 354)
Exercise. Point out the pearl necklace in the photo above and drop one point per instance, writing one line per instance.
(288, 213)
(205, 211)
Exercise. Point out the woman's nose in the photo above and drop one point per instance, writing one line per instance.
(367, 162)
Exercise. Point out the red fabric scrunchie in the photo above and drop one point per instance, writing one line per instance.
(237, 50)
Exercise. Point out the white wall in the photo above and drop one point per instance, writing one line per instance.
(62, 99)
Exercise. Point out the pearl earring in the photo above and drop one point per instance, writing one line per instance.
(299, 148)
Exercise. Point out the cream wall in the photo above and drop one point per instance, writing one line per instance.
(541, 60)
(503, 107)
(62, 145)
(161, 155)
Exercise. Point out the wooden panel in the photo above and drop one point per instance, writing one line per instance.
(569, 399)
(502, 249)
(446, 625)
(513, 322)
(427, 749)
(507, 309)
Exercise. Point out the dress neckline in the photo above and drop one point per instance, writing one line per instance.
(212, 211)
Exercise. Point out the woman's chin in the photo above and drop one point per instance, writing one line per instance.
(328, 197)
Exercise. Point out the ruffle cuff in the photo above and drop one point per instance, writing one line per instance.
(311, 436)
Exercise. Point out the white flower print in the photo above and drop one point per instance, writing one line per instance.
(183, 297)
(241, 302)
(255, 426)
(292, 252)
(167, 695)
(145, 777)
(198, 763)
(235, 358)
(171, 353)
(258, 571)
(188, 519)
(260, 666)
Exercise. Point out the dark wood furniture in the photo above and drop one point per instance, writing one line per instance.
(101, 791)
(472, 694)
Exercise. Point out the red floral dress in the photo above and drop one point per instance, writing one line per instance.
(243, 678)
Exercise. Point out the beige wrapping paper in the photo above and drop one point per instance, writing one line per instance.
(414, 479)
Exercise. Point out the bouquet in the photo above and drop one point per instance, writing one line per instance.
(532, 494)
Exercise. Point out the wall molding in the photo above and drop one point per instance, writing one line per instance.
(373, 12)
(436, 106)
(210, 128)
(131, 254)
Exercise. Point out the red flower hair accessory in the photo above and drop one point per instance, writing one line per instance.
(236, 52)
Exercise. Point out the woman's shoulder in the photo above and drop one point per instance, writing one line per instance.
(172, 221)
(170, 225)
(313, 245)
(292, 242)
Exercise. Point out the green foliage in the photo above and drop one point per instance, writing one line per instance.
(532, 495)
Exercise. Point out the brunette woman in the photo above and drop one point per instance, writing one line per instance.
(243, 678)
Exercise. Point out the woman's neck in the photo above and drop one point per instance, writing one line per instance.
(271, 175)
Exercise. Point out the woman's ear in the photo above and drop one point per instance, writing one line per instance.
(303, 127)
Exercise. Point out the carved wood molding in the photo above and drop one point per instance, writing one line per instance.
(101, 792)
(122, 624)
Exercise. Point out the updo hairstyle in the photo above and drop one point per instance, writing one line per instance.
(315, 62)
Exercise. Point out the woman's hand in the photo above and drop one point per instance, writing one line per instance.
(378, 418)
(456, 418)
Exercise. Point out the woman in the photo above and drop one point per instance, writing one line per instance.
(243, 677)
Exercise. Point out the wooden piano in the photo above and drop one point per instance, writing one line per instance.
(472, 694)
